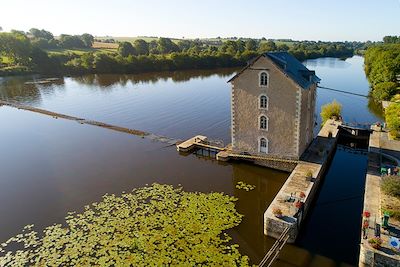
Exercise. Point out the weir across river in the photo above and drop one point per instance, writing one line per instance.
(160, 138)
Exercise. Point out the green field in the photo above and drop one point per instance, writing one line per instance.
(79, 51)
(132, 39)
(176, 40)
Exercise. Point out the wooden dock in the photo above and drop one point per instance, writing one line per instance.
(226, 153)
(192, 143)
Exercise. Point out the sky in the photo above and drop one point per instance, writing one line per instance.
(335, 20)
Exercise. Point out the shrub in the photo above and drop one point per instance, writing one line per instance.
(391, 185)
(277, 212)
(333, 109)
(396, 98)
(393, 213)
(375, 242)
(384, 90)
(392, 117)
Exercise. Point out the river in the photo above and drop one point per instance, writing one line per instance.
(51, 166)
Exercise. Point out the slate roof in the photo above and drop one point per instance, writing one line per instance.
(291, 67)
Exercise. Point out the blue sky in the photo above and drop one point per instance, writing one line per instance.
(296, 19)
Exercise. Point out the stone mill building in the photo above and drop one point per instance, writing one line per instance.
(273, 107)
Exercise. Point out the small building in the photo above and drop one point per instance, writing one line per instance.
(273, 106)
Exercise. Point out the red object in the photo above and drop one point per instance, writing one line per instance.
(365, 224)
(366, 214)
(302, 195)
(298, 204)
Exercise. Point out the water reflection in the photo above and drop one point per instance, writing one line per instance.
(329, 62)
(174, 104)
(349, 76)
(52, 166)
(180, 104)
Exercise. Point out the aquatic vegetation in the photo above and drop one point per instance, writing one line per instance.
(244, 186)
(156, 225)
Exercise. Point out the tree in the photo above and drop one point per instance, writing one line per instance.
(267, 46)
(153, 47)
(251, 45)
(330, 110)
(165, 45)
(391, 39)
(87, 39)
(71, 41)
(36, 33)
(125, 49)
(16, 46)
(384, 91)
(392, 117)
(141, 46)
(282, 47)
(185, 45)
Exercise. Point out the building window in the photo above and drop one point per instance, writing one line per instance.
(264, 79)
(263, 145)
(263, 102)
(264, 123)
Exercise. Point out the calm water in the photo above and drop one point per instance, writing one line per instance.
(51, 166)
(346, 75)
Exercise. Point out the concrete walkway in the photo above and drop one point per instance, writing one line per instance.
(372, 204)
(314, 160)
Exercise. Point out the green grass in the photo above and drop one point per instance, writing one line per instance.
(132, 39)
(79, 51)
(176, 40)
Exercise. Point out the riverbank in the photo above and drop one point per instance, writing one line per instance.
(374, 202)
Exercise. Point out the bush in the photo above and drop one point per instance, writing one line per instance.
(391, 185)
(375, 242)
(384, 90)
(393, 213)
(333, 109)
(392, 117)
(396, 98)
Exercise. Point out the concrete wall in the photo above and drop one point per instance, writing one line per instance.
(297, 182)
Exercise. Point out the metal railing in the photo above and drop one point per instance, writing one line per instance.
(273, 253)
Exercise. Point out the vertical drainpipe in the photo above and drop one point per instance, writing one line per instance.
(233, 115)
(298, 121)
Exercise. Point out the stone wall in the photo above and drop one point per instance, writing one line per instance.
(281, 92)
(278, 165)
(312, 161)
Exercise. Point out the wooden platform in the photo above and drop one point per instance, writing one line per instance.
(190, 144)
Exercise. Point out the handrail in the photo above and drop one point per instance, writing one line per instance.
(273, 253)
(233, 155)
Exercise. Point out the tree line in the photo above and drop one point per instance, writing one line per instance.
(31, 52)
(382, 66)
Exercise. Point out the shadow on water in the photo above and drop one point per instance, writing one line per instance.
(332, 227)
